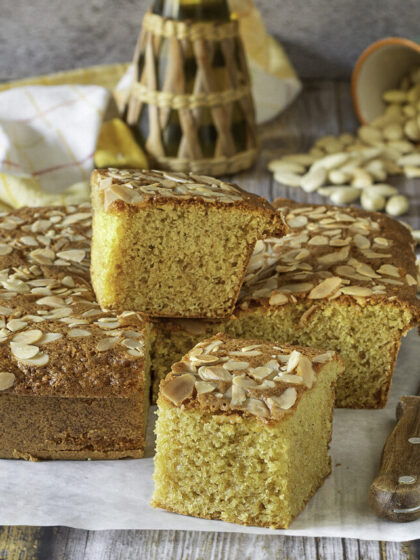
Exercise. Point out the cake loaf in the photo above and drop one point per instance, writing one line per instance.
(172, 244)
(343, 279)
(243, 431)
(74, 381)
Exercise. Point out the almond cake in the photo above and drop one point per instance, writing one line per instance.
(243, 431)
(173, 244)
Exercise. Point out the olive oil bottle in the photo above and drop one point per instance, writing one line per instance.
(190, 68)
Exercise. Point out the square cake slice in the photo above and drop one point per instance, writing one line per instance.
(243, 431)
(74, 381)
(173, 245)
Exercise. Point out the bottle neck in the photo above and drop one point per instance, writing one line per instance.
(194, 10)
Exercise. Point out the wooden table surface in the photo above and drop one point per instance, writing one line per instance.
(323, 108)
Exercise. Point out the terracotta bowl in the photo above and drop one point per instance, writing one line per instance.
(380, 67)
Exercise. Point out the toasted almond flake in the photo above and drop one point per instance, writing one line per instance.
(361, 241)
(68, 281)
(326, 288)
(179, 388)
(289, 378)
(244, 382)
(297, 221)
(6, 311)
(293, 361)
(204, 358)
(132, 343)
(245, 354)
(212, 346)
(410, 280)
(278, 299)
(51, 301)
(238, 395)
(323, 358)
(261, 372)
(366, 270)
(357, 291)
(334, 257)
(16, 325)
(28, 337)
(49, 337)
(23, 351)
(5, 249)
(318, 240)
(203, 387)
(7, 380)
(390, 270)
(40, 360)
(306, 371)
(136, 353)
(284, 402)
(307, 314)
(74, 255)
(78, 333)
(235, 365)
(43, 256)
(107, 344)
(214, 373)
(256, 408)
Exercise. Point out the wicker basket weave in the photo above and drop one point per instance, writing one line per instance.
(201, 39)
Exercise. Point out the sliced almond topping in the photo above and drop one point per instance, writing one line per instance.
(7, 380)
(285, 401)
(214, 373)
(238, 395)
(289, 378)
(250, 353)
(43, 256)
(50, 337)
(78, 333)
(178, 389)
(136, 353)
(203, 387)
(234, 366)
(5, 249)
(390, 270)
(367, 270)
(278, 299)
(23, 351)
(249, 348)
(204, 359)
(358, 291)
(293, 361)
(306, 371)
(16, 325)
(323, 358)
(28, 337)
(106, 344)
(361, 241)
(325, 288)
(318, 240)
(256, 408)
(244, 382)
(335, 257)
(74, 255)
(261, 372)
(410, 280)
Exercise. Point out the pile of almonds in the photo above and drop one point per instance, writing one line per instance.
(348, 167)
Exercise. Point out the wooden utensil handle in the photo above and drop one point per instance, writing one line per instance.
(395, 493)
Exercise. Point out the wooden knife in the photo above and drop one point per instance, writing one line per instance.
(395, 492)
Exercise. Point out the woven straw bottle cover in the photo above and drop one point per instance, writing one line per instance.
(191, 105)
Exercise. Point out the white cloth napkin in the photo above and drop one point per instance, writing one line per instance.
(48, 134)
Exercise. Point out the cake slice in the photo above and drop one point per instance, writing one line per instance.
(342, 279)
(173, 245)
(243, 431)
(74, 381)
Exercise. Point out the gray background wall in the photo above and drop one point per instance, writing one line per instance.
(322, 37)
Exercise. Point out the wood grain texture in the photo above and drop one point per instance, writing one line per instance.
(323, 108)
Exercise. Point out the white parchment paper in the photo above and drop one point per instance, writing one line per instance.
(116, 494)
